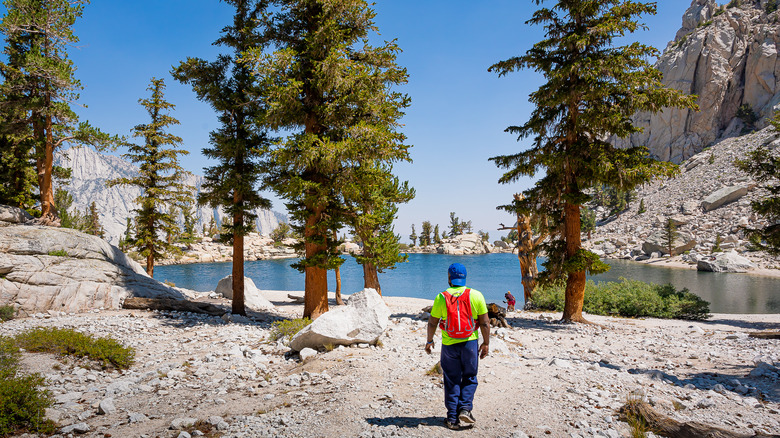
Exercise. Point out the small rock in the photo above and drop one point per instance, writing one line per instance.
(106, 407)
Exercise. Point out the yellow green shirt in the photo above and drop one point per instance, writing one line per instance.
(439, 310)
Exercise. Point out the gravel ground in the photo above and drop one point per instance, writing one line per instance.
(542, 378)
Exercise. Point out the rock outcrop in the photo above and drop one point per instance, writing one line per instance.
(253, 298)
(91, 170)
(362, 320)
(709, 200)
(726, 55)
(464, 244)
(59, 269)
(725, 262)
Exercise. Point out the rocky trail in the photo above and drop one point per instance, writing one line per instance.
(542, 378)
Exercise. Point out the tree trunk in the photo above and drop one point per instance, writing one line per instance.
(316, 278)
(48, 214)
(526, 254)
(371, 278)
(238, 264)
(339, 300)
(575, 282)
(150, 261)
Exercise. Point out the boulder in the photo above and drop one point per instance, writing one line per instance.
(723, 196)
(689, 208)
(725, 262)
(362, 320)
(655, 243)
(502, 245)
(253, 298)
(46, 268)
(13, 215)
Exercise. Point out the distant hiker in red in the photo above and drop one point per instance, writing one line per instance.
(510, 301)
(457, 311)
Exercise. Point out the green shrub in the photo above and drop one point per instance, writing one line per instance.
(7, 313)
(288, 328)
(629, 298)
(58, 253)
(22, 403)
(106, 351)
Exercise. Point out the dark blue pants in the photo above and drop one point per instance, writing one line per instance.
(459, 363)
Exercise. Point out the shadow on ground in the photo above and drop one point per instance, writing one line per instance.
(406, 422)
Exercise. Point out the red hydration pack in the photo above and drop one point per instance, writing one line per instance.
(460, 322)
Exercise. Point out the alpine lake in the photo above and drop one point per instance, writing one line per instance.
(425, 275)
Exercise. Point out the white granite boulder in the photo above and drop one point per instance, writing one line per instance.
(13, 215)
(655, 243)
(47, 268)
(253, 299)
(723, 196)
(362, 320)
(725, 262)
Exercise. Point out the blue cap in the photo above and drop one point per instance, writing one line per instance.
(457, 274)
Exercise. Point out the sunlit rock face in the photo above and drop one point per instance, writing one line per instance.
(727, 57)
(90, 172)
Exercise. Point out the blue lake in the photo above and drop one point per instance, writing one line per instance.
(425, 275)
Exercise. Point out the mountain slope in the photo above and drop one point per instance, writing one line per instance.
(728, 56)
(91, 170)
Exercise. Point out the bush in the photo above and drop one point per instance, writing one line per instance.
(7, 313)
(629, 298)
(22, 403)
(107, 351)
(288, 328)
(58, 253)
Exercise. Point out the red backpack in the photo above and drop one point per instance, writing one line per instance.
(460, 322)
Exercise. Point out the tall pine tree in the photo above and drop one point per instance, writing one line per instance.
(160, 178)
(592, 91)
(371, 208)
(240, 143)
(40, 86)
(332, 91)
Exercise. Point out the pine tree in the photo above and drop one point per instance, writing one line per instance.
(455, 225)
(669, 235)
(127, 238)
(413, 236)
(588, 221)
(240, 143)
(765, 167)
(40, 86)
(642, 208)
(93, 221)
(160, 178)
(371, 205)
(188, 236)
(592, 91)
(436, 235)
(331, 91)
(425, 233)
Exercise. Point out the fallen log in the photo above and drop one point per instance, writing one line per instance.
(137, 303)
(769, 334)
(671, 428)
(497, 315)
(296, 299)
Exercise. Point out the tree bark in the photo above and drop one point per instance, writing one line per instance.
(238, 263)
(150, 261)
(339, 300)
(575, 282)
(316, 278)
(170, 304)
(371, 277)
(671, 428)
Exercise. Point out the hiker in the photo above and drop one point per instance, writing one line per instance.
(455, 311)
(510, 301)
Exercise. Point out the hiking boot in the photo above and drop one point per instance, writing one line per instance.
(452, 425)
(466, 417)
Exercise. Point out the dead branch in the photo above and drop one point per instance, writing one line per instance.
(137, 303)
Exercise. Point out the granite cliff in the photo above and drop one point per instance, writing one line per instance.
(728, 56)
(91, 170)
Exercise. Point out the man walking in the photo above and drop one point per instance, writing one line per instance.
(455, 311)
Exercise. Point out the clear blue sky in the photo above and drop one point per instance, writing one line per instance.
(458, 114)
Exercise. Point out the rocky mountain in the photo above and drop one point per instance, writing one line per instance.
(728, 56)
(91, 170)
(709, 198)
